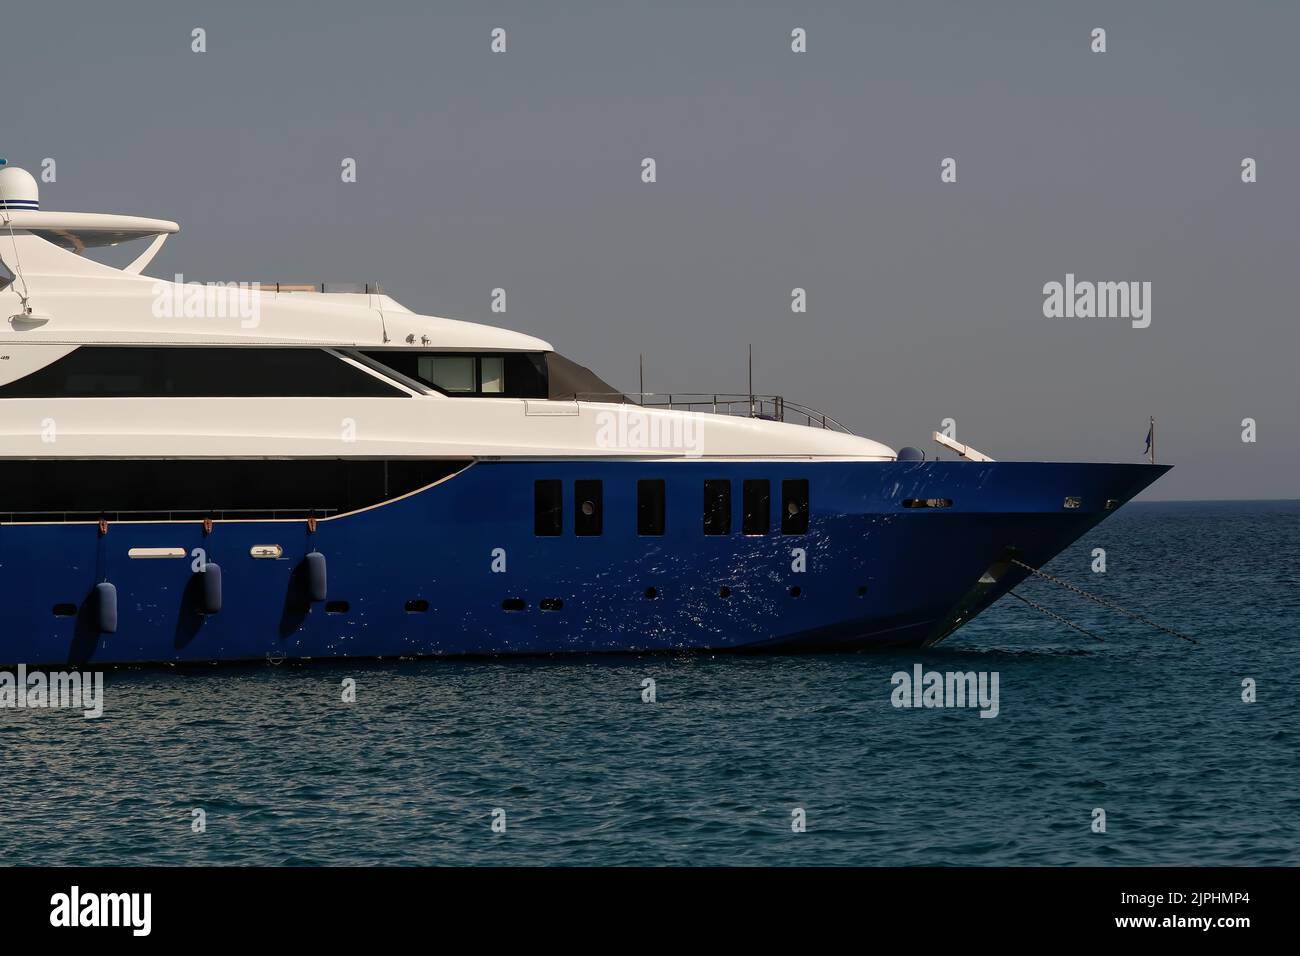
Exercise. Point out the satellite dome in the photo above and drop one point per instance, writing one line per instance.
(18, 190)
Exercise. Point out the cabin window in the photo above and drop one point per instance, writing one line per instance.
(450, 373)
(794, 506)
(174, 489)
(492, 375)
(650, 506)
(757, 506)
(588, 507)
(717, 506)
(466, 374)
(99, 371)
(548, 507)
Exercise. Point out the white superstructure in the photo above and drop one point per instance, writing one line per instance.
(55, 300)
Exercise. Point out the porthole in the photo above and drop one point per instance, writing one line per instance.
(550, 604)
(513, 604)
(336, 607)
(651, 593)
(795, 590)
(724, 592)
(65, 610)
(418, 606)
(588, 495)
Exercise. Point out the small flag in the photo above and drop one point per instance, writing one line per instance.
(1150, 434)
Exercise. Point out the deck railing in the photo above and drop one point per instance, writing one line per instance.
(774, 408)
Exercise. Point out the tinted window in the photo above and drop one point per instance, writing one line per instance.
(96, 371)
(717, 506)
(650, 506)
(794, 506)
(548, 507)
(176, 489)
(506, 375)
(758, 506)
(450, 373)
(588, 507)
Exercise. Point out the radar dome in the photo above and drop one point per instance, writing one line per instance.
(18, 190)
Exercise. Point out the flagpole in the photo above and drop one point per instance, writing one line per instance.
(1153, 439)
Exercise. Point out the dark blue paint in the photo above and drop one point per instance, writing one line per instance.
(878, 574)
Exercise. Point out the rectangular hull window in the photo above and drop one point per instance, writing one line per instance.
(717, 506)
(794, 506)
(588, 507)
(650, 506)
(548, 507)
(758, 506)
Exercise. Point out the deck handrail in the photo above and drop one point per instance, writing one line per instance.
(767, 407)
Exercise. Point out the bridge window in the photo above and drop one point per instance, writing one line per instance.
(461, 374)
(717, 506)
(548, 507)
(794, 506)
(492, 375)
(588, 499)
(650, 506)
(757, 518)
(451, 373)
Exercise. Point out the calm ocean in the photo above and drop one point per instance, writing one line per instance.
(1150, 729)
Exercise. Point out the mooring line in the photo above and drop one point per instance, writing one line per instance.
(1056, 617)
(1104, 602)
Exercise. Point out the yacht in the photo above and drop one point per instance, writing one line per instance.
(273, 471)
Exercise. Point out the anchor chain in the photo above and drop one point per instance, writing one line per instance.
(1056, 617)
(1103, 602)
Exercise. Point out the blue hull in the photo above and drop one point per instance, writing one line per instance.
(877, 574)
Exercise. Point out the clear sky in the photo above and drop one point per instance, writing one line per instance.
(775, 170)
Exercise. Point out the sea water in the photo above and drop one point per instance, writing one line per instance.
(1188, 751)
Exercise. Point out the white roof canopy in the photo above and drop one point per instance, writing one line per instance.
(76, 231)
